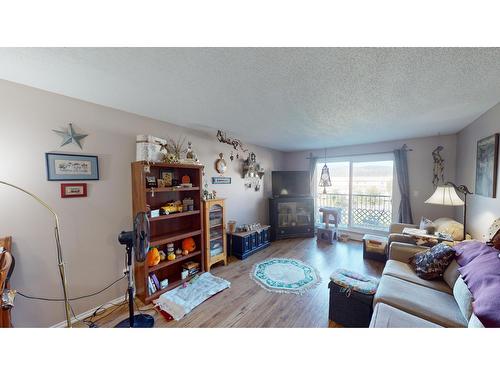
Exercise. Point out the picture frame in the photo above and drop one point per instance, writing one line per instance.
(486, 166)
(167, 176)
(71, 167)
(221, 180)
(151, 182)
(77, 190)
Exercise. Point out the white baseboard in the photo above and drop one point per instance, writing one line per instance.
(88, 313)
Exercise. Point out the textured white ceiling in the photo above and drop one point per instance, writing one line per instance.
(283, 98)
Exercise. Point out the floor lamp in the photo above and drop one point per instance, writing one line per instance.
(447, 196)
(60, 262)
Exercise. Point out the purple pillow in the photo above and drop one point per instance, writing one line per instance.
(466, 251)
(481, 273)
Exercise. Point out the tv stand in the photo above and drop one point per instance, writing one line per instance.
(291, 217)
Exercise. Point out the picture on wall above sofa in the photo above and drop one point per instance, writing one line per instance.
(486, 166)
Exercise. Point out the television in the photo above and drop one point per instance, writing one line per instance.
(291, 184)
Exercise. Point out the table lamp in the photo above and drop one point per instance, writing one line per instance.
(446, 195)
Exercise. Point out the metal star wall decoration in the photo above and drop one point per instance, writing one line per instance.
(70, 136)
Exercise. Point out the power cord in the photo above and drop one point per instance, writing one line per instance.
(70, 299)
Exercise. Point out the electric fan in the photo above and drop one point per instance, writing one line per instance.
(137, 241)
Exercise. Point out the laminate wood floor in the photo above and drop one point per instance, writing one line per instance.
(246, 304)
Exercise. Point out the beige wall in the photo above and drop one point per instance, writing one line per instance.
(89, 225)
(481, 211)
(420, 163)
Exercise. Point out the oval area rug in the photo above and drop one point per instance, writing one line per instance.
(285, 275)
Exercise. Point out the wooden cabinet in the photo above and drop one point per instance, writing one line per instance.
(244, 244)
(171, 228)
(214, 219)
(291, 217)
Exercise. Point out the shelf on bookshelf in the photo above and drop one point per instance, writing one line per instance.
(172, 189)
(170, 286)
(173, 216)
(171, 165)
(173, 236)
(178, 259)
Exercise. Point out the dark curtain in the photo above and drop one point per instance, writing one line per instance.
(401, 160)
(312, 167)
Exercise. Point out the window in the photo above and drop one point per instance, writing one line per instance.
(362, 188)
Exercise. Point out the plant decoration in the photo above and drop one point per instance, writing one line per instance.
(236, 143)
(173, 149)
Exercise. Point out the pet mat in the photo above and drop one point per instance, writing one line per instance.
(180, 301)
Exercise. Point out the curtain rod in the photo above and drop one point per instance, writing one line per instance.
(405, 148)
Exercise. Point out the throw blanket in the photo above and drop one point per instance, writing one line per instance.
(180, 301)
(480, 269)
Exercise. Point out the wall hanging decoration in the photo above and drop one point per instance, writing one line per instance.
(220, 164)
(324, 180)
(486, 166)
(252, 172)
(70, 136)
(438, 170)
(73, 190)
(221, 180)
(68, 167)
(236, 143)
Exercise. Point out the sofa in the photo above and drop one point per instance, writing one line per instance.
(405, 300)
(442, 225)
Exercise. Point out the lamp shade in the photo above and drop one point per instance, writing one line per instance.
(445, 196)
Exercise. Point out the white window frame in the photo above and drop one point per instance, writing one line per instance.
(388, 156)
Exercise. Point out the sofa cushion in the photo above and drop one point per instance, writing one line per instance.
(451, 274)
(451, 227)
(474, 322)
(405, 272)
(431, 264)
(426, 303)
(427, 225)
(385, 316)
(463, 296)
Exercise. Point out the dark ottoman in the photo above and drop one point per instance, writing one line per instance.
(351, 298)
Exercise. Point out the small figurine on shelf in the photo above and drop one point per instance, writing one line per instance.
(189, 244)
(153, 257)
(178, 252)
(191, 157)
(163, 256)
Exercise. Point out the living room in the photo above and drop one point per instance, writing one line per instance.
(254, 187)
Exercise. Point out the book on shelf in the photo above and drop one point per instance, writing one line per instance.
(151, 285)
(155, 281)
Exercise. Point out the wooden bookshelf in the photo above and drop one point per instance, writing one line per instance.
(172, 228)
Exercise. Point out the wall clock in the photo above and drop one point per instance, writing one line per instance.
(220, 164)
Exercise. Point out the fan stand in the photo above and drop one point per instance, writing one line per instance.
(139, 320)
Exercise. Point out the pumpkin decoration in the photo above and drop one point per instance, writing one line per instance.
(185, 179)
(185, 252)
(188, 244)
(163, 256)
(153, 257)
(171, 256)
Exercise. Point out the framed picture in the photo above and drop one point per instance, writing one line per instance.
(167, 176)
(486, 166)
(68, 167)
(73, 190)
(151, 182)
(221, 180)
